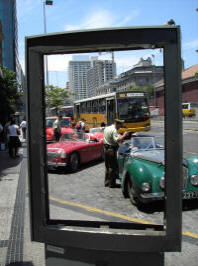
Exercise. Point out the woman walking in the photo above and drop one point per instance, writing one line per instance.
(14, 141)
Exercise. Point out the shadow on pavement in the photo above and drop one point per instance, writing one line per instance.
(158, 206)
(20, 263)
(66, 170)
(189, 205)
(7, 163)
(153, 207)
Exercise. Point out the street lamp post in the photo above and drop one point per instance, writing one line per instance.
(49, 3)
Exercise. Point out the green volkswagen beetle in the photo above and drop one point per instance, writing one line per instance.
(141, 170)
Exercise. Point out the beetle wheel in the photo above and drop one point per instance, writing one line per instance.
(74, 162)
(130, 190)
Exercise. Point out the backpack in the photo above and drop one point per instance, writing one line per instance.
(78, 125)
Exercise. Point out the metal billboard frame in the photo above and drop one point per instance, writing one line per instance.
(87, 234)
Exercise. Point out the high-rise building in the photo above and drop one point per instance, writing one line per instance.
(9, 43)
(86, 77)
(101, 72)
(78, 78)
(9, 47)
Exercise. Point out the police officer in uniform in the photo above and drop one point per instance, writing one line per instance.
(111, 140)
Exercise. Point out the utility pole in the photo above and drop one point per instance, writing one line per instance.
(49, 3)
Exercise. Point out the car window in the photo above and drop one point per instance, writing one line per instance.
(96, 129)
(49, 122)
(125, 148)
(75, 136)
(65, 123)
(147, 143)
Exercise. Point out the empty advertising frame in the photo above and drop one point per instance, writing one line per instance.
(103, 235)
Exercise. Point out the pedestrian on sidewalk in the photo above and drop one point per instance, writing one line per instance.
(14, 141)
(23, 126)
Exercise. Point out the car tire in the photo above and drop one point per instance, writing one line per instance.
(130, 191)
(74, 162)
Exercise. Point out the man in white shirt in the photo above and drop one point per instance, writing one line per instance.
(57, 128)
(14, 142)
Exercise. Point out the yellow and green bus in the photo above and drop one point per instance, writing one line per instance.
(130, 106)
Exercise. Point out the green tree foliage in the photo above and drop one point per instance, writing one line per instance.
(196, 75)
(55, 96)
(9, 94)
(149, 89)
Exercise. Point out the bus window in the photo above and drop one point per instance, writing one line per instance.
(84, 109)
(89, 107)
(95, 106)
(185, 106)
(102, 106)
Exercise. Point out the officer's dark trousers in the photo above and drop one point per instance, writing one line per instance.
(111, 166)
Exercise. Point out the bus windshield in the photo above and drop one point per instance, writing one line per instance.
(133, 109)
(185, 106)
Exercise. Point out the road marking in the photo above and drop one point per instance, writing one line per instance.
(92, 209)
(124, 217)
(193, 235)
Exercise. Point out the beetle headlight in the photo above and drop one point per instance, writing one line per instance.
(145, 187)
(162, 182)
(63, 154)
(194, 180)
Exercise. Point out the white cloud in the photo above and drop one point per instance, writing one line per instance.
(190, 45)
(58, 62)
(55, 62)
(127, 61)
(102, 18)
(98, 19)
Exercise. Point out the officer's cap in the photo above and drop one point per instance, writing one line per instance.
(119, 121)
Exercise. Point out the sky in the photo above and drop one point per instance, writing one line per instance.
(68, 15)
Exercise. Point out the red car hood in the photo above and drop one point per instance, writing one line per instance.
(66, 145)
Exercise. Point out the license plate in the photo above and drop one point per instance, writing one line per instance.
(190, 195)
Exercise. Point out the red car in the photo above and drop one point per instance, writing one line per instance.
(97, 132)
(66, 127)
(73, 150)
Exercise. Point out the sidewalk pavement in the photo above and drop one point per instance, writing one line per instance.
(16, 247)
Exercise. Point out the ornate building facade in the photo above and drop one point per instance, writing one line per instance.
(142, 74)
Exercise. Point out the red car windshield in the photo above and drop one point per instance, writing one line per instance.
(65, 122)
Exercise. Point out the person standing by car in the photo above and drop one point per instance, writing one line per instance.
(23, 126)
(57, 127)
(111, 140)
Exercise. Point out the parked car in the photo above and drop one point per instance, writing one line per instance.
(74, 149)
(66, 127)
(142, 174)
